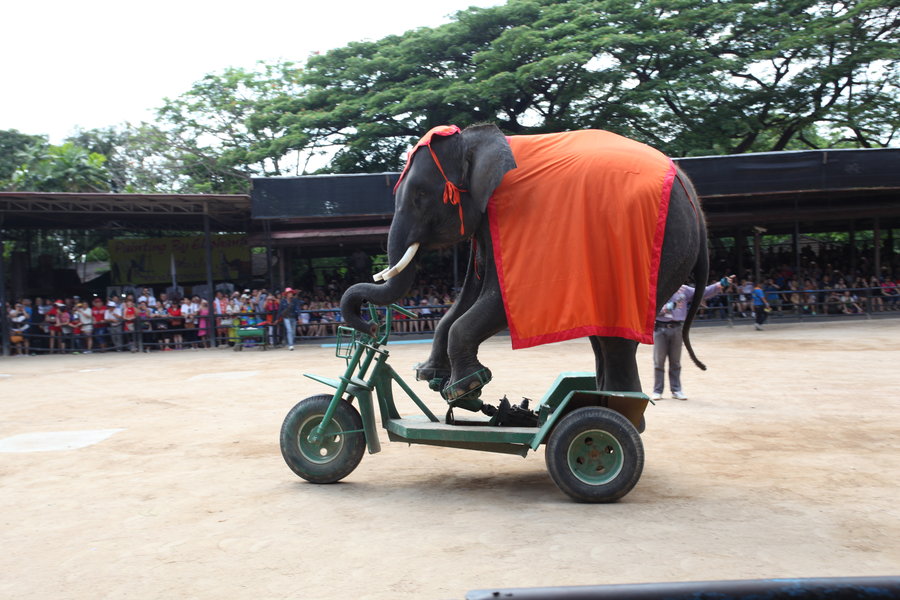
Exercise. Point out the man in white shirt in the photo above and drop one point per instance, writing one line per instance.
(148, 297)
(113, 316)
(667, 337)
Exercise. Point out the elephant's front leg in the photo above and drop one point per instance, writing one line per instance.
(436, 369)
(486, 318)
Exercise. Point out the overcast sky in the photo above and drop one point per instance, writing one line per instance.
(99, 63)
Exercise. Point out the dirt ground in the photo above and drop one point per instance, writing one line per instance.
(785, 462)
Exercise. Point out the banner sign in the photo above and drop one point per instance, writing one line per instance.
(160, 260)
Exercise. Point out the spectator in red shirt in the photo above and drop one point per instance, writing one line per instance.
(129, 315)
(176, 323)
(101, 326)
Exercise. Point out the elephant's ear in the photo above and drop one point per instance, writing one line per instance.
(488, 158)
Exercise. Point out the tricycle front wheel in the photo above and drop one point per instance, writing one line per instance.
(595, 455)
(339, 451)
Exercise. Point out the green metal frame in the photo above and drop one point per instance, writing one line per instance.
(367, 372)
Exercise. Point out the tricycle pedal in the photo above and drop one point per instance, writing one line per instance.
(508, 415)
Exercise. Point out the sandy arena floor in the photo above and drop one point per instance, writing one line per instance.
(785, 462)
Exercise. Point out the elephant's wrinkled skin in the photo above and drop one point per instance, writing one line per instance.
(476, 161)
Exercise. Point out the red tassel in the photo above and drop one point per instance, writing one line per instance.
(452, 196)
(451, 192)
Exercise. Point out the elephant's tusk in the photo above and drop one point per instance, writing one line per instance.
(401, 264)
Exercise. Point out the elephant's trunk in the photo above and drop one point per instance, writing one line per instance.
(402, 274)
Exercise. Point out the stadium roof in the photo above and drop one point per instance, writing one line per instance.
(822, 190)
(51, 210)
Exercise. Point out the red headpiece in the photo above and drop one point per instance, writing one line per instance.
(451, 190)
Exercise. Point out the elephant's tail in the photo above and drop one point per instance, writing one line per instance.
(701, 269)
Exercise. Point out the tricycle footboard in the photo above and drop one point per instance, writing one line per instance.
(517, 449)
(419, 430)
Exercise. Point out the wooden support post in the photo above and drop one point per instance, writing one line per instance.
(757, 256)
(267, 227)
(876, 246)
(211, 292)
(889, 245)
(281, 262)
(4, 317)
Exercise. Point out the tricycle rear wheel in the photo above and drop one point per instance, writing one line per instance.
(337, 454)
(595, 455)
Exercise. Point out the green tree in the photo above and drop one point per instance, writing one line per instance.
(139, 158)
(222, 130)
(65, 168)
(12, 144)
(688, 77)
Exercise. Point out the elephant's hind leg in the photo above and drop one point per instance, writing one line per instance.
(598, 359)
(619, 364)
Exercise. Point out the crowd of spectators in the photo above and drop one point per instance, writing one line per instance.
(828, 296)
(152, 320)
(147, 321)
(827, 282)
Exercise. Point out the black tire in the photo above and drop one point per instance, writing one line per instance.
(337, 455)
(595, 455)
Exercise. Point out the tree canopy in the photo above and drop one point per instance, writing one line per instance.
(65, 168)
(689, 77)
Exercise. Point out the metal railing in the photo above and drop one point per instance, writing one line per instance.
(803, 304)
(265, 330)
(238, 330)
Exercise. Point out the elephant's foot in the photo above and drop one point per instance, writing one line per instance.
(436, 376)
(465, 392)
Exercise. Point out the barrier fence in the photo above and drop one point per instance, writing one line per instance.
(165, 333)
(266, 330)
(803, 304)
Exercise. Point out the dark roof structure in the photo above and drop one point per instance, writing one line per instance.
(321, 212)
(823, 190)
(52, 210)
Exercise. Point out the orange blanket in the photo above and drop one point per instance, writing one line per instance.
(577, 230)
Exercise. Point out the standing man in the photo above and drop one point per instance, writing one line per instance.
(288, 311)
(113, 316)
(101, 326)
(220, 308)
(667, 340)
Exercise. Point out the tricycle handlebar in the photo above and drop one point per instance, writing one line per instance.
(403, 311)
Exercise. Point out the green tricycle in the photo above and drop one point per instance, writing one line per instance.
(593, 447)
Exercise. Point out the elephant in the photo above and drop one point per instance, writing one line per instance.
(442, 199)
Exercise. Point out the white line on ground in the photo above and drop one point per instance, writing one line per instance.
(47, 441)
